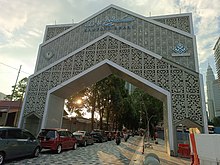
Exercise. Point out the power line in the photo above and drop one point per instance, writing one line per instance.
(14, 68)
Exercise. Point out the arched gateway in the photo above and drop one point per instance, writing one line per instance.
(157, 54)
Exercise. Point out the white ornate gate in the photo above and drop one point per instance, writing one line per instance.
(156, 54)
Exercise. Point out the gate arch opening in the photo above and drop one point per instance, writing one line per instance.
(55, 97)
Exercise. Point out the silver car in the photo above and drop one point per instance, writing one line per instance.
(16, 142)
(83, 138)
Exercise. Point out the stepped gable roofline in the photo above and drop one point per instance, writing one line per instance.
(56, 26)
(94, 41)
(62, 25)
(173, 16)
(123, 10)
(170, 16)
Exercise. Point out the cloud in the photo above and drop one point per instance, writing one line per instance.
(10, 23)
(34, 33)
(207, 30)
(23, 19)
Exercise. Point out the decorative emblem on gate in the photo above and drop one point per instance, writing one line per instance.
(180, 50)
(48, 55)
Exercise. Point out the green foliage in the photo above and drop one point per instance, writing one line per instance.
(115, 105)
(18, 90)
(147, 106)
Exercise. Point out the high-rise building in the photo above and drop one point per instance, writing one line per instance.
(210, 100)
(216, 96)
(217, 57)
(213, 94)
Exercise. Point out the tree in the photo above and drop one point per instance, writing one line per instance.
(147, 106)
(90, 102)
(73, 105)
(18, 90)
(115, 105)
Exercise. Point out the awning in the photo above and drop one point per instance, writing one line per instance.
(9, 110)
(3, 110)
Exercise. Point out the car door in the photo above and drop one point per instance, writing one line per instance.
(15, 143)
(5, 145)
(89, 138)
(30, 142)
(71, 139)
(64, 139)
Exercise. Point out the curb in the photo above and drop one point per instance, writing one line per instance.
(137, 158)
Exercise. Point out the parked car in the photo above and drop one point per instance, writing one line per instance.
(16, 142)
(83, 138)
(99, 136)
(57, 139)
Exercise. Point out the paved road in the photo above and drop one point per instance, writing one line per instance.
(100, 153)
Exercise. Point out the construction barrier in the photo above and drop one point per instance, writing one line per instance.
(184, 150)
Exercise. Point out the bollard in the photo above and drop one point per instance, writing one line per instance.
(151, 159)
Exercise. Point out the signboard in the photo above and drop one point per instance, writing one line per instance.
(110, 23)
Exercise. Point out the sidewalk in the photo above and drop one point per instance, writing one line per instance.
(159, 150)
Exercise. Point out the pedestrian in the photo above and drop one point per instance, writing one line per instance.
(118, 138)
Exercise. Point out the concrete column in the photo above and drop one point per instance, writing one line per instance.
(53, 113)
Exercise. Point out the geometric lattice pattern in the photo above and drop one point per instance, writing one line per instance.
(142, 31)
(53, 31)
(182, 82)
(181, 23)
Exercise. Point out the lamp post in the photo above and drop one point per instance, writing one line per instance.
(148, 127)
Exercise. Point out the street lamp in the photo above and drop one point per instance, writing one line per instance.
(148, 127)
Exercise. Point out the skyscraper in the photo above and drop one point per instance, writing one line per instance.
(210, 97)
(216, 94)
(213, 94)
(217, 57)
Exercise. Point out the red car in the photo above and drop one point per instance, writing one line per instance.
(57, 139)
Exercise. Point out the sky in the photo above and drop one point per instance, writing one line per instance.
(23, 22)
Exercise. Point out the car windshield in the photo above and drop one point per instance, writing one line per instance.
(95, 133)
(77, 133)
(47, 133)
(77, 136)
(81, 132)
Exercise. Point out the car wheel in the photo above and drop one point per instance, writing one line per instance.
(2, 157)
(75, 146)
(36, 152)
(85, 144)
(59, 149)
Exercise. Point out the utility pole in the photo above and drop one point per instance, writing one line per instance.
(15, 83)
(6, 118)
